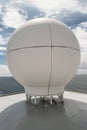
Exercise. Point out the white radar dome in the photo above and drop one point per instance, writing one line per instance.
(43, 55)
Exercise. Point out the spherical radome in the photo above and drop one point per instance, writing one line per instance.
(43, 55)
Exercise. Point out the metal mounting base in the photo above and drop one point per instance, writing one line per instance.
(43, 100)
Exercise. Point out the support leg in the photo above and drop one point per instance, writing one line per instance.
(35, 100)
(27, 98)
(30, 98)
(61, 98)
(51, 100)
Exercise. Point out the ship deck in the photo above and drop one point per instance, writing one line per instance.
(16, 114)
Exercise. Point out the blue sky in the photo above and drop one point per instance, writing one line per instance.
(14, 13)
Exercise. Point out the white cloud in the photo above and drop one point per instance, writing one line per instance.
(2, 48)
(84, 59)
(3, 41)
(12, 18)
(82, 7)
(81, 34)
(58, 9)
(1, 29)
(55, 5)
(1, 53)
(83, 25)
(4, 71)
(51, 6)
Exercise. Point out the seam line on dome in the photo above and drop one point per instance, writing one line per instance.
(41, 46)
(51, 59)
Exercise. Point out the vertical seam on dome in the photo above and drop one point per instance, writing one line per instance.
(51, 58)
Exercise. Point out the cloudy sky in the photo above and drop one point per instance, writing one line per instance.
(14, 13)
